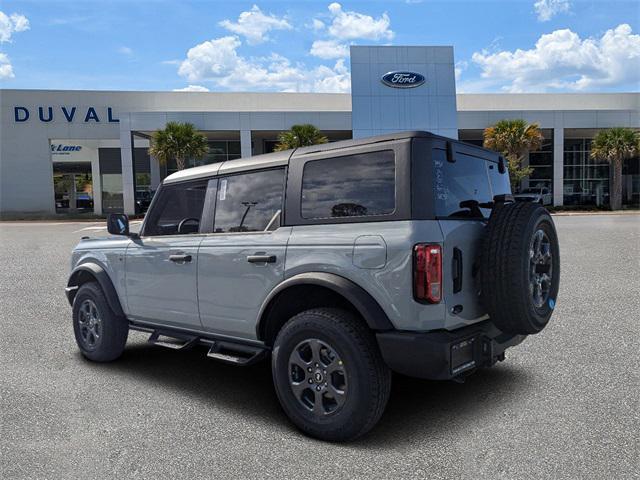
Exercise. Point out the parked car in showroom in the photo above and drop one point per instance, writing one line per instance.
(340, 263)
(541, 195)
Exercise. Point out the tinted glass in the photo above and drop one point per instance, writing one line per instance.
(175, 204)
(459, 186)
(249, 202)
(350, 186)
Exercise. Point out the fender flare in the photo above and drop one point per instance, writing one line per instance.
(102, 277)
(363, 302)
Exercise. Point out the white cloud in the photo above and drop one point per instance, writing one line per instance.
(329, 49)
(317, 25)
(547, 9)
(561, 60)
(125, 51)
(6, 70)
(218, 61)
(347, 25)
(10, 24)
(192, 88)
(211, 59)
(254, 25)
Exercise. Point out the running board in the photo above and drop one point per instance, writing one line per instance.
(171, 342)
(235, 353)
(229, 352)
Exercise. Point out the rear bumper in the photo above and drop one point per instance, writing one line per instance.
(442, 354)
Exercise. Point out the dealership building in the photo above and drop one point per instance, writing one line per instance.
(86, 151)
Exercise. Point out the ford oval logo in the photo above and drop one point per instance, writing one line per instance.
(403, 79)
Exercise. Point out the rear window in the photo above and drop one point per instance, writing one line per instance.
(350, 186)
(461, 185)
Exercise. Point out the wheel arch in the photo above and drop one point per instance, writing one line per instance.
(88, 272)
(314, 289)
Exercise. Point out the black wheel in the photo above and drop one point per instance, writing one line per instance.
(520, 267)
(100, 334)
(329, 375)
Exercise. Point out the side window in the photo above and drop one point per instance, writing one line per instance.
(350, 186)
(178, 210)
(459, 185)
(250, 202)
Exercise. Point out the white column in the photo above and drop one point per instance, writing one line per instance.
(154, 167)
(245, 143)
(558, 166)
(126, 156)
(96, 184)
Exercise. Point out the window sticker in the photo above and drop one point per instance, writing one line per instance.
(223, 190)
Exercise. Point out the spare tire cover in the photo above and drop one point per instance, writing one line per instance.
(520, 267)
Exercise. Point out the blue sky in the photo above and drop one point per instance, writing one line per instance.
(500, 46)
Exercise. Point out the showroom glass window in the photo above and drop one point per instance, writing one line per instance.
(586, 180)
(350, 186)
(541, 161)
(179, 203)
(249, 202)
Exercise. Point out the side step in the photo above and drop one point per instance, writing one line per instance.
(228, 352)
(235, 353)
(175, 343)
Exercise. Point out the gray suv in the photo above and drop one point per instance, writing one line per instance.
(339, 262)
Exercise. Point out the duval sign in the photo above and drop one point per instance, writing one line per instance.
(403, 79)
(47, 114)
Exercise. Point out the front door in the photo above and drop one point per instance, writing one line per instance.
(161, 266)
(243, 260)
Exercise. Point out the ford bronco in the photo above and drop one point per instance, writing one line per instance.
(339, 262)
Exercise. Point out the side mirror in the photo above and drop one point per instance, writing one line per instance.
(118, 224)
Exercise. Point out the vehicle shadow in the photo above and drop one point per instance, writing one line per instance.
(417, 408)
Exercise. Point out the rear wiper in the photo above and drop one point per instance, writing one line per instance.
(475, 206)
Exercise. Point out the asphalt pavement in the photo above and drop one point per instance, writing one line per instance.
(564, 404)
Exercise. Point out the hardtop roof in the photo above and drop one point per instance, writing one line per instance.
(281, 158)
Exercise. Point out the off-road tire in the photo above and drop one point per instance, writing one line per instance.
(505, 267)
(114, 329)
(368, 379)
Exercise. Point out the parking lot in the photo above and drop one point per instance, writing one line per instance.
(565, 404)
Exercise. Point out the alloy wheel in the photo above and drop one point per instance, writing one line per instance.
(540, 268)
(318, 377)
(90, 323)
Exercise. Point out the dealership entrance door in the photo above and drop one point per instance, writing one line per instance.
(73, 187)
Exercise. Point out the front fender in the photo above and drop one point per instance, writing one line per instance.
(86, 272)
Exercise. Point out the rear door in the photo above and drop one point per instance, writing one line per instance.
(242, 260)
(463, 179)
(161, 266)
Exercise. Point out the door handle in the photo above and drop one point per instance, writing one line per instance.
(180, 258)
(261, 259)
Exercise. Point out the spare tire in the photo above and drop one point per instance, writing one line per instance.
(520, 267)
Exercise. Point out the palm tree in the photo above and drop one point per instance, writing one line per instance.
(514, 139)
(300, 136)
(179, 141)
(616, 145)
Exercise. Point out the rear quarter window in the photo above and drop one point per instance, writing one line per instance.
(349, 186)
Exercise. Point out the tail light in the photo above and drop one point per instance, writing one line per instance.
(427, 273)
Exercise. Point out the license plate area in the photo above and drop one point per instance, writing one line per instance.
(462, 355)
